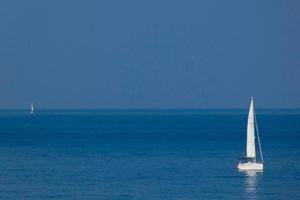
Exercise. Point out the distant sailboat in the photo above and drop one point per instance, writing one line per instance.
(249, 162)
(32, 109)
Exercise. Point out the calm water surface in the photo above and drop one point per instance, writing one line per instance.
(145, 154)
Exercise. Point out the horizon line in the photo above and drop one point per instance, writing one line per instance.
(182, 108)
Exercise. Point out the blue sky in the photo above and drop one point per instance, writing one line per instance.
(149, 54)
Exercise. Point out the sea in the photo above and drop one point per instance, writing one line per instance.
(146, 154)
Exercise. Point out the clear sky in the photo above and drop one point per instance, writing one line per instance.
(149, 54)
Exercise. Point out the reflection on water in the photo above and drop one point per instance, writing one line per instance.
(251, 180)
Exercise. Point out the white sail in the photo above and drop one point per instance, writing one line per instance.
(250, 132)
(32, 109)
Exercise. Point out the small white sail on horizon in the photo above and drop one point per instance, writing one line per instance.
(251, 132)
(32, 109)
(249, 162)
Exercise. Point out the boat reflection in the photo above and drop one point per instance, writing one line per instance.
(251, 180)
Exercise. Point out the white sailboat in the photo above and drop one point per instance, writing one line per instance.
(249, 162)
(32, 109)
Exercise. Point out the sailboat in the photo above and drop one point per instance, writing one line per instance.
(249, 162)
(32, 109)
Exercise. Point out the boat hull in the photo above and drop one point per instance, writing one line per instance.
(250, 166)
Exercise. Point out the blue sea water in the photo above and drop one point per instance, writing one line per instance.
(145, 154)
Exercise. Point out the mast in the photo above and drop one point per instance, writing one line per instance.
(251, 132)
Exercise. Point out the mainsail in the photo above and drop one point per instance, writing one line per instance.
(250, 132)
(32, 108)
